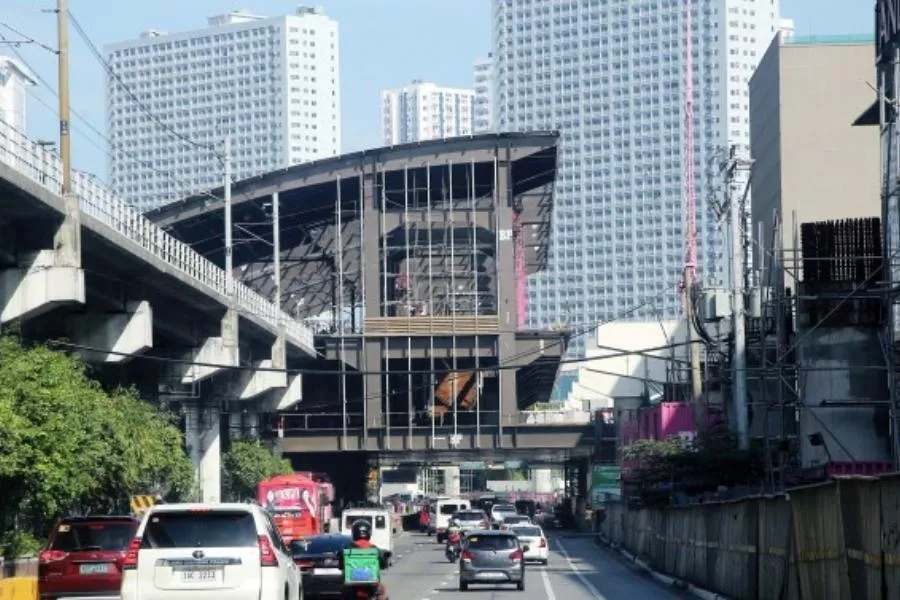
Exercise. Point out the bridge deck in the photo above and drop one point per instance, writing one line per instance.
(34, 172)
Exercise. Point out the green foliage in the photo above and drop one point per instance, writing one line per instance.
(66, 445)
(712, 459)
(245, 465)
(16, 544)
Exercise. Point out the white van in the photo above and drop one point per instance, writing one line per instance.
(444, 509)
(382, 528)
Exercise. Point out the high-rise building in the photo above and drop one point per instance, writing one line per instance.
(14, 79)
(271, 84)
(484, 95)
(425, 111)
(809, 159)
(609, 75)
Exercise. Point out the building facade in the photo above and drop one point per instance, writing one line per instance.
(809, 159)
(484, 95)
(426, 111)
(14, 79)
(611, 77)
(272, 84)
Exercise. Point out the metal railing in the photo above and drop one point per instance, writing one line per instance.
(399, 420)
(43, 167)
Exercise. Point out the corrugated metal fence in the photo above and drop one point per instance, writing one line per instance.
(834, 541)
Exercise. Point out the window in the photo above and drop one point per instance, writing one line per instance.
(76, 537)
(449, 509)
(214, 529)
(492, 542)
(322, 545)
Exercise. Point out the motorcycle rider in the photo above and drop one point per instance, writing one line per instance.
(454, 535)
(361, 532)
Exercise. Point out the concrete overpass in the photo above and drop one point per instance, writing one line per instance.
(130, 288)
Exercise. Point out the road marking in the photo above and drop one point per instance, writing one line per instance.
(579, 574)
(547, 587)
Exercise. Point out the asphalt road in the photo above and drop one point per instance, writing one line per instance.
(578, 570)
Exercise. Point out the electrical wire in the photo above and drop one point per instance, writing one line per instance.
(153, 117)
(26, 39)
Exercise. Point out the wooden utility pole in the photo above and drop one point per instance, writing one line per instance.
(67, 241)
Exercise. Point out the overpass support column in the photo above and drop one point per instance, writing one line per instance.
(203, 438)
(214, 353)
(506, 293)
(451, 481)
(116, 337)
(39, 283)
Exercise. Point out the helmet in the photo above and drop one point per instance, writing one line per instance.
(361, 530)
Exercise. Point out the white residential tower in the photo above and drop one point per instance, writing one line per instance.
(484, 95)
(272, 84)
(14, 79)
(426, 111)
(609, 74)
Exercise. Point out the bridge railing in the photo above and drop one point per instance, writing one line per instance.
(43, 166)
(333, 421)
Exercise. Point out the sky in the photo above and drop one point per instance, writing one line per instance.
(384, 44)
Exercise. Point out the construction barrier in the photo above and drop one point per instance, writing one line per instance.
(838, 540)
(141, 504)
(18, 579)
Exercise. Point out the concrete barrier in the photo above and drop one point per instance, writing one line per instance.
(18, 579)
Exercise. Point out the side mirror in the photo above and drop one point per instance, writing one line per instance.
(526, 548)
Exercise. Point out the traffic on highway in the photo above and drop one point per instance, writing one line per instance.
(236, 551)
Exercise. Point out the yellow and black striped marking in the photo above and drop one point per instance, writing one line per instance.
(141, 504)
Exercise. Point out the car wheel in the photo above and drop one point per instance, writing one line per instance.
(463, 586)
(521, 586)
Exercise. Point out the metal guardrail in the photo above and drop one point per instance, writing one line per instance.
(334, 421)
(44, 167)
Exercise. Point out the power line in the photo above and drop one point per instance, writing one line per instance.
(153, 117)
(25, 39)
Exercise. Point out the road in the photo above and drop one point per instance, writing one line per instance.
(578, 570)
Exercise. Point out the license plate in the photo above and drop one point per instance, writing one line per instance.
(320, 571)
(93, 569)
(492, 575)
(200, 575)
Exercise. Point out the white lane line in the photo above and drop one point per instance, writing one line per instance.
(584, 580)
(547, 587)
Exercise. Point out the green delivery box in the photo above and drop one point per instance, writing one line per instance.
(362, 566)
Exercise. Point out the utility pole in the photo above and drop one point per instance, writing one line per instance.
(229, 260)
(733, 165)
(67, 241)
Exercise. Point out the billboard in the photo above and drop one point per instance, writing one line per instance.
(605, 481)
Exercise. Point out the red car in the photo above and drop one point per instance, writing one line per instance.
(84, 557)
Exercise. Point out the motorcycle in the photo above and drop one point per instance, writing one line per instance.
(453, 551)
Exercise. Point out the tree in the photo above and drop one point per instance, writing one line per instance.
(66, 445)
(245, 465)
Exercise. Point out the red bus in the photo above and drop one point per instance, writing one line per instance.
(293, 502)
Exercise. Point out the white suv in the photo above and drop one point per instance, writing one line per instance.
(215, 551)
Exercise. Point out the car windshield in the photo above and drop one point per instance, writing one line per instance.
(468, 516)
(504, 508)
(527, 531)
(322, 545)
(212, 529)
(99, 535)
(449, 509)
(492, 542)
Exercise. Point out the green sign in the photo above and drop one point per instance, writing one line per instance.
(605, 479)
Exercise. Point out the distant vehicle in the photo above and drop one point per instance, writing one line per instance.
(379, 520)
(225, 551)
(533, 537)
(499, 512)
(444, 509)
(84, 557)
(493, 558)
(317, 558)
(293, 501)
(511, 520)
(526, 507)
(472, 519)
